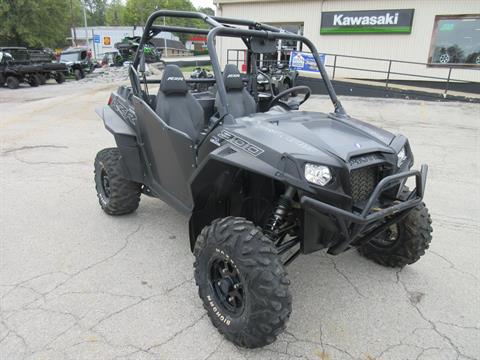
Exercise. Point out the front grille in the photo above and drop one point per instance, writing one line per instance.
(363, 182)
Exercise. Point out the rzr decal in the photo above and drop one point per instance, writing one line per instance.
(240, 143)
(121, 109)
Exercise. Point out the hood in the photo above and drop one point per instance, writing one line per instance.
(314, 134)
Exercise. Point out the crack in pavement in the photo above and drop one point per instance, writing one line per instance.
(342, 274)
(32, 147)
(452, 265)
(431, 322)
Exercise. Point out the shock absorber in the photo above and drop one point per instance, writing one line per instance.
(280, 212)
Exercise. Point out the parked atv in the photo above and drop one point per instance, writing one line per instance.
(282, 77)
(78, 61)
(200, 73)
(259, 189)
(275, 78)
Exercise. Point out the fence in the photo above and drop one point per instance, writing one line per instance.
(383, 69)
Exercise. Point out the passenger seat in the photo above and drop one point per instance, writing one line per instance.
(240, 102)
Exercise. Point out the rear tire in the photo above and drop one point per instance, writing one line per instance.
(42, 79)
(2, 80)
(13, 82)
(242, 282)
(404, 243)
(34, 80)
(116, 195)
(60, 78)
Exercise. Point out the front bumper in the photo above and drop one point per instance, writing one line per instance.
(347, 228)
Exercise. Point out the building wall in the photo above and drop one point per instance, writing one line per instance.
(115, 33)
(408, 47)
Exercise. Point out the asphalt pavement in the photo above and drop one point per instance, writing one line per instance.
(78, 284)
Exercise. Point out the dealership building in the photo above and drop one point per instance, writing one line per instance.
(434, 38)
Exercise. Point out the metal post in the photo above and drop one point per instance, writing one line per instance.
(85, 20)
(448, 82)
(164, 41)
(388, 73)
(334, 66)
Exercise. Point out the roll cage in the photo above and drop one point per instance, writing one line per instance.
(220, 26)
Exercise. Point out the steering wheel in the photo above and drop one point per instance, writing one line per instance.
(293, 90)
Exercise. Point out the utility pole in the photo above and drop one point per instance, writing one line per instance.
(72, 20)
(85, 20)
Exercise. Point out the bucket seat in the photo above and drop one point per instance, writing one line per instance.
(240, 102)
(176, 106)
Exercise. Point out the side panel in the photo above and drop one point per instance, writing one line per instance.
(169, 152)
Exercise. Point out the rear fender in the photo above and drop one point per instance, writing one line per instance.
(127, 144)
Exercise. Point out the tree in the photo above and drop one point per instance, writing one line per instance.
(207, 11)
(34, 23)
(114, 13)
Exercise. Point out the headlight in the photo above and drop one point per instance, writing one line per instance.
(317, 174)
(402, 156)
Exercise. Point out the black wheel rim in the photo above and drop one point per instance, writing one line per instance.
(227, 286)
(105, 183)
(388, 238)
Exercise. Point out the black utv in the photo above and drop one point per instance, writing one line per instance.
(19, 65)
(258, 188)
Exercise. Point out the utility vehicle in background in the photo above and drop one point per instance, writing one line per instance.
(17, 65)
(78, 61)
(259, 186)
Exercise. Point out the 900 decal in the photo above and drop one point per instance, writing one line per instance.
(240, 143)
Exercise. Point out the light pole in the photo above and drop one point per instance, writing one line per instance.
(85, 20)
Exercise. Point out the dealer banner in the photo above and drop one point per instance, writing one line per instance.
(368, 21)
(304, 61)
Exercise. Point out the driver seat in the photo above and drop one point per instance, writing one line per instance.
(240, 102)
(176, 106)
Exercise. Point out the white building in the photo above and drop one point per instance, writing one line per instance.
(438, 34)
(101, 39)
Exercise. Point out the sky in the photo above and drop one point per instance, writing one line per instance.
(203, 3)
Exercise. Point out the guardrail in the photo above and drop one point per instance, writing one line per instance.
(381, 66)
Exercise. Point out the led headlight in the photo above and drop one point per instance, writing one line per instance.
(317, 174)
(402, 156)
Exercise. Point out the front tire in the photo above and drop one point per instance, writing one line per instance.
(60, 78)
(403, 243)
(13, 82)
(116, 195)
(242, 282)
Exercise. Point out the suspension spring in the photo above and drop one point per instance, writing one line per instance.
(280, 212)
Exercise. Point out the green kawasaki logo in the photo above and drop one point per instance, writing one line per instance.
(368, 21)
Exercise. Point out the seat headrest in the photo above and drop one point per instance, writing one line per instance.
(232, 78)
(173, 81)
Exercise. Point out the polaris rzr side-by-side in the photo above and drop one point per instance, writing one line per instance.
(259, 183)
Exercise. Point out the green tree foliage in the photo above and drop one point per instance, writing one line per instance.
(206, 10)
(47, 23)
(114, 13)
(34, 23)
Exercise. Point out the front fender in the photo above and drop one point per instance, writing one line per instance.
(126, 140)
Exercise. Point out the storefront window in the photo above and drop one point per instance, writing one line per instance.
(456, 41)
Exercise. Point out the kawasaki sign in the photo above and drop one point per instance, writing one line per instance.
(368, 21)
